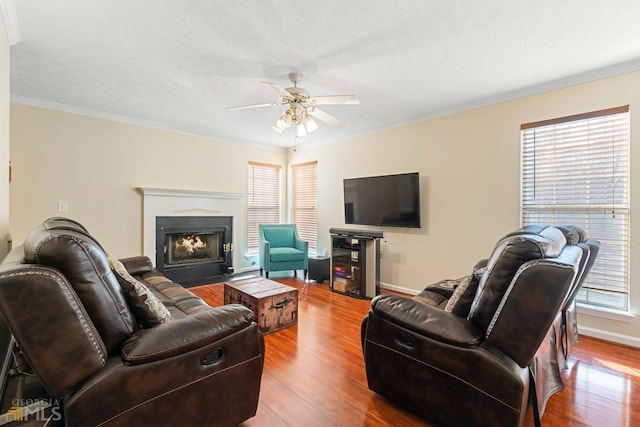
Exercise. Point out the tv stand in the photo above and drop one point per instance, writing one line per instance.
(355, 262)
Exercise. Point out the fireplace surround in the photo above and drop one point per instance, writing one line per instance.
(193, 250)
(166, 202)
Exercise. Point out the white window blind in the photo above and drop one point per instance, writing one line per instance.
(263, 201)
(575, 170)
(304, 211)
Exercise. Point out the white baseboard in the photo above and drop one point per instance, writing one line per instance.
(398, 289)
(609, 336)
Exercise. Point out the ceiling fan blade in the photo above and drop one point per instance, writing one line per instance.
(281, 91)
(327, 118)
(267, 104)
(336, 100)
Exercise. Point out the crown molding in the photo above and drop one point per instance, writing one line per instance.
(8, 8)
(574, 80)
(581, 78)
(65, 108)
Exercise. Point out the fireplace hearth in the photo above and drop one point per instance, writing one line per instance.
(194, 250)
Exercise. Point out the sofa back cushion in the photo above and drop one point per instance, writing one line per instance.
(67, 246)
(509, 254)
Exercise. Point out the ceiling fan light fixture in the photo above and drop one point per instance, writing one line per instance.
(288, 117)
(280, 124)
(309, 123)
(283, 122)
(301, 107)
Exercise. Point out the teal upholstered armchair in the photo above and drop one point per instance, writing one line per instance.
(282, 249)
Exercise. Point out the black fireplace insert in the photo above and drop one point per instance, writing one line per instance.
(194, 250)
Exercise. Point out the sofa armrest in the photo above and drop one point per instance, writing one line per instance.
(137, 265)
(183, 335)
(443, 288)
(426, 320)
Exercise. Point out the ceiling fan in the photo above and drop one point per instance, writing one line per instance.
(302, 107)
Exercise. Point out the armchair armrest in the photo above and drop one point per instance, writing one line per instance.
(264, 249)
(301, 244)
(183, 335)
(426, 320)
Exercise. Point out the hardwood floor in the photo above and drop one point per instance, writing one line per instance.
(314, 372)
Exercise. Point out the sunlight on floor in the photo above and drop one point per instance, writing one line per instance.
(623, 369)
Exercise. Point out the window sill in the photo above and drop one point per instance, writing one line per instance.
(254, 252)
(606, 313)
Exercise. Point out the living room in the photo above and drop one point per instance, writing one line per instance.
(468, 160)
(437, 148)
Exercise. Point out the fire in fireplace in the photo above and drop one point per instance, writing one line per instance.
(184, 248)
(193, 250)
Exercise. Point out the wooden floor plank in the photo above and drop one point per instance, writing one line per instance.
(314, 372)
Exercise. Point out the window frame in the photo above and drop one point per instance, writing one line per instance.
(264, 199)
(304, 201)
(575, 153)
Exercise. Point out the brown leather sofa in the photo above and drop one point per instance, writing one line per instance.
(459, 353)
(82, 332)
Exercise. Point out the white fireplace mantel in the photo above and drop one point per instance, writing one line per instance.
(174, 202)
(168, 192)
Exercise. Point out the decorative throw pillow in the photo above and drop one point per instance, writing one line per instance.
(146, 307)
(462, 297)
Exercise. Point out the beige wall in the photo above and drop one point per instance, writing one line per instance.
(470, 170)
(469, 166)
(95, 165)
(4, 138)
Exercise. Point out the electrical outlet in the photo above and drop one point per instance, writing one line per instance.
(63, 206)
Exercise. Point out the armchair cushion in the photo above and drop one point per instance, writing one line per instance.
(279, 237)
(279, 254)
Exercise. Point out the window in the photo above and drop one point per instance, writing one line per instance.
(263, 202)
(304, 207)
(575, 170)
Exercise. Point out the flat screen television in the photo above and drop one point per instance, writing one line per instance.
(386, 200)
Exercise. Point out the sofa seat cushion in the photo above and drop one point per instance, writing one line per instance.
(286, 254)
(430, 298)
(178, 300)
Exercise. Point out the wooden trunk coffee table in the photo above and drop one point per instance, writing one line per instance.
(274, 305)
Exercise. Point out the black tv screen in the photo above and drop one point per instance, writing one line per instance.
(387, 200)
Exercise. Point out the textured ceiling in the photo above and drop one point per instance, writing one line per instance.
(177, 64)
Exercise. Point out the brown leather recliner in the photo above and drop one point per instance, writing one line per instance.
(74, 325)
(459, 354)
